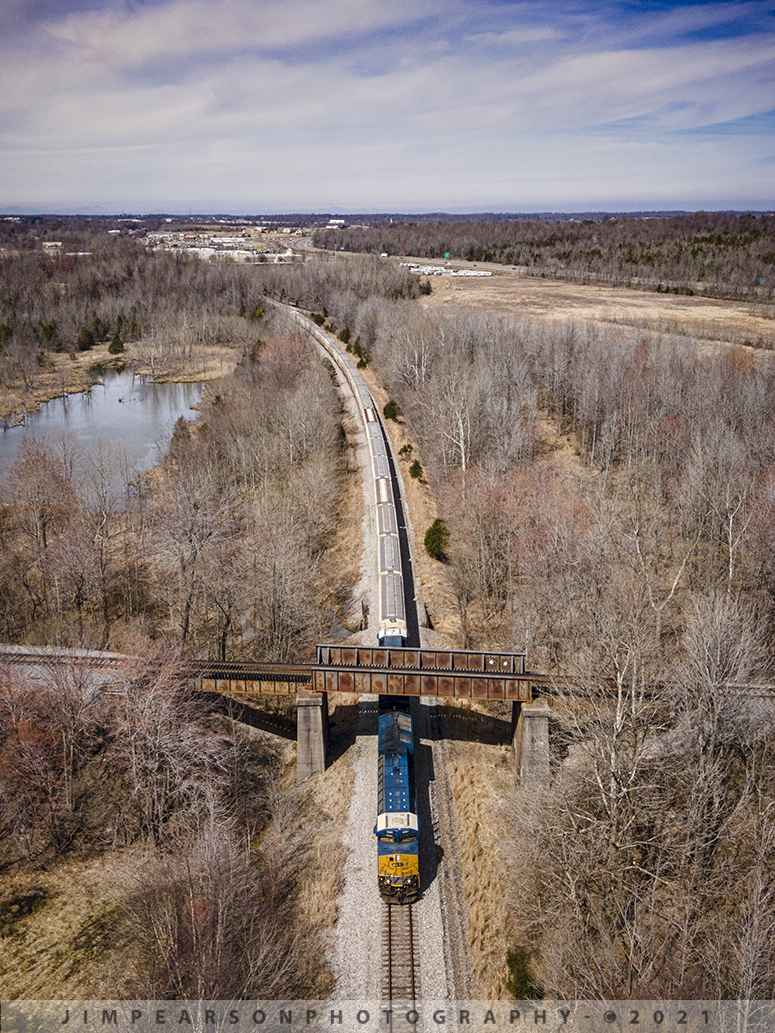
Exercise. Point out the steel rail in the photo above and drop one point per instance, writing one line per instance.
(400, 977)
(249, 670)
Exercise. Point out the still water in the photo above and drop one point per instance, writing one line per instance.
(121, 411)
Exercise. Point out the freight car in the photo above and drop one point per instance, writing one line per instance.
(391, 631)
(398, 827)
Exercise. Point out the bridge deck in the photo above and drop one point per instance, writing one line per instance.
(392, 672)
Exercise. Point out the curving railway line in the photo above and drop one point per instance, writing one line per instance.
(397, 626)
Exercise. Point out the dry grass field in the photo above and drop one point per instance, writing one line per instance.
(481, 776)
(706, 319)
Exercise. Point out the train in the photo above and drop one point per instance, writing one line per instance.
(392, 629)
(398, 827)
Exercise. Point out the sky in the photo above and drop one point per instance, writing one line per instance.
(258, 106)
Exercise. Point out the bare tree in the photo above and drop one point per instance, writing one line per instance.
(194, 512)
(172, 763)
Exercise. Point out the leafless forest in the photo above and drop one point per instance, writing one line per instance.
(713, 253)
(608, 496)
(610, 503)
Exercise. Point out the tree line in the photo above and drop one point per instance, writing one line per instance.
(715, 253)
(136, 765)
(222, 545)
(169, 310)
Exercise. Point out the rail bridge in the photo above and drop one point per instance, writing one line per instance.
(441, 674)
(438, 673)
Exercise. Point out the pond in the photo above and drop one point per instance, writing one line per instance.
(123, 412)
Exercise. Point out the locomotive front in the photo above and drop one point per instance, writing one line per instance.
(397, 829)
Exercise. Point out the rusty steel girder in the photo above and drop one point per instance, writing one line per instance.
(392, 672)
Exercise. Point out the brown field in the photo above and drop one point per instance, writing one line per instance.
(481, 777)
(707, 319)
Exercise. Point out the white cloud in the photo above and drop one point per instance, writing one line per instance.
(518, 37)
(184, 28)
(348, 99)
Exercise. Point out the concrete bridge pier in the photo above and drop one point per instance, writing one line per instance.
(531, 740)
(311, 733)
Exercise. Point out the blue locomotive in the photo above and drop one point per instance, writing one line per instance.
(398, 827)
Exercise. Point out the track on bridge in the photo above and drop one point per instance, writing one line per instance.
(248, 670)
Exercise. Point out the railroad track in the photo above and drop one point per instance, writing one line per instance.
(45, 656)
(401, 974)
(249, 670)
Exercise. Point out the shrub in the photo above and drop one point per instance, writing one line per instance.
(520, 984)
(320, 320)
(344, 336)
(415, 470)
(363, 356)
(116, 346)
(85, 340)
(391, 410)
(48, 333)
(437, 540)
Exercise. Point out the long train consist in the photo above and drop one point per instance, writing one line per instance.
(392, 608)
(398, 827)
